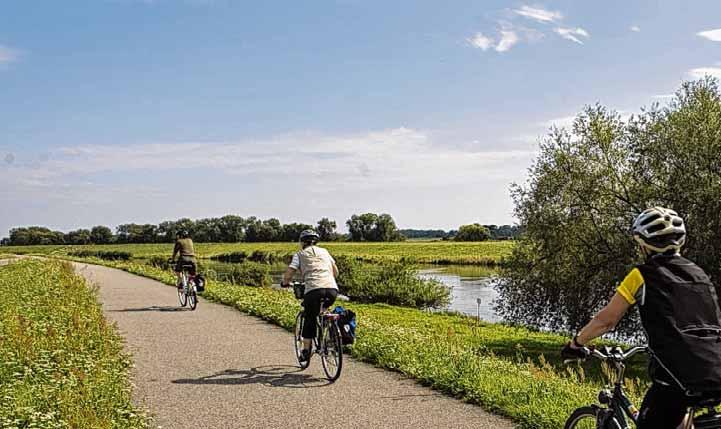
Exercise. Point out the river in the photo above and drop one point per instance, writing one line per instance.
(468, 284)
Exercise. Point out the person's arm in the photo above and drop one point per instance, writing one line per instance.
(176, 249)
(604, 321)
(288, 276)
(334, 267)
(290, 271)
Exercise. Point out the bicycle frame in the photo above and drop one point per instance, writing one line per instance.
(322, 321)
(186, 279)
(620, 407)
(187, 292)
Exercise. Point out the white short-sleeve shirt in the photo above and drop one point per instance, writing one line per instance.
(316, 267)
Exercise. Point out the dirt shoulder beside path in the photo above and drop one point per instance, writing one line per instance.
(218, 368)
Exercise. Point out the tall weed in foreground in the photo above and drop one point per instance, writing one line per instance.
(61, 364)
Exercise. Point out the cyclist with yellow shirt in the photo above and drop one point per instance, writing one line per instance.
(681, 317)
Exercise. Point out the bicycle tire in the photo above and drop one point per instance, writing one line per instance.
(332, 347)
(298, 339)
(583, 418)
(192, 299)
(182, 297)
(591, 417)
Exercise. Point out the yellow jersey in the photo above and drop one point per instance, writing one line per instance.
(632, 287)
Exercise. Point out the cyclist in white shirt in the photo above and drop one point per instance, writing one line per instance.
(318, 271)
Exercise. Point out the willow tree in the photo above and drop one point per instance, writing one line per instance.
(584, 190)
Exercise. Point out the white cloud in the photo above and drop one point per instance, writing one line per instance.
(508, 39)
(539, 14)
(571, 33)
(635, 28)
(481, 42)
(664, 96)
(511, 33)
(567, 121)
(398, 155)
(8, 55)
(384, 170)
(700, 72)
(562, 122)
(713, 35)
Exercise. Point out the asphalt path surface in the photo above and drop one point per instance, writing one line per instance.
(216, 367)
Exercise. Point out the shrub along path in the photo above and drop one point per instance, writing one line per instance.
(216, 367)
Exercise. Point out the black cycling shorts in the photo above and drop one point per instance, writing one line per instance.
(312, 302)
(664, 407)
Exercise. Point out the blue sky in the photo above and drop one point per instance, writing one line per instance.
(127, 110)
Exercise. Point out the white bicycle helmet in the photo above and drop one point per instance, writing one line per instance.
(309, 236)
(660, 230)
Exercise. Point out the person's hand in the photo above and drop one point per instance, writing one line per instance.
(571, 352)
(284, 284)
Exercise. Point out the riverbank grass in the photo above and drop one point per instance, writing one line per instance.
(61, 364)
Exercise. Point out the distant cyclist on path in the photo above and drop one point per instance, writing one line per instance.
(183, 248)
(680, 313)
(318, 271)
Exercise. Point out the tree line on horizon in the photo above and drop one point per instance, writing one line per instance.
(471, 232)
(368, 227)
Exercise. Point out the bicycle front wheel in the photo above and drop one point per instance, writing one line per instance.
(298, 339)
(331, 351)
(585, 418)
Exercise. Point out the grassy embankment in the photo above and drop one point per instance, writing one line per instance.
(61, 364)
(419, 252)
(510, 370)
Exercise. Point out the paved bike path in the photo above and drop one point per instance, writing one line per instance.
(218, 368)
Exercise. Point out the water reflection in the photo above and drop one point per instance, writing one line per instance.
(468, 284)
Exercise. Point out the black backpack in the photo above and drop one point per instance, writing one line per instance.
(682, 318)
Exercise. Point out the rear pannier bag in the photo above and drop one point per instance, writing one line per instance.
(200, 283)
(347, 324)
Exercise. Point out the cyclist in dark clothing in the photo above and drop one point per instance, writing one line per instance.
(184, 249)
(681, 317)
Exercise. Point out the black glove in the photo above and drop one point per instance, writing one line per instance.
(571, 353)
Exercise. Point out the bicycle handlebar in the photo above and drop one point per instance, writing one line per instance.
(615, 353)
(291, 284)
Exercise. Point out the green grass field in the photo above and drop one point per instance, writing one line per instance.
(423, 252)
(61, 364)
